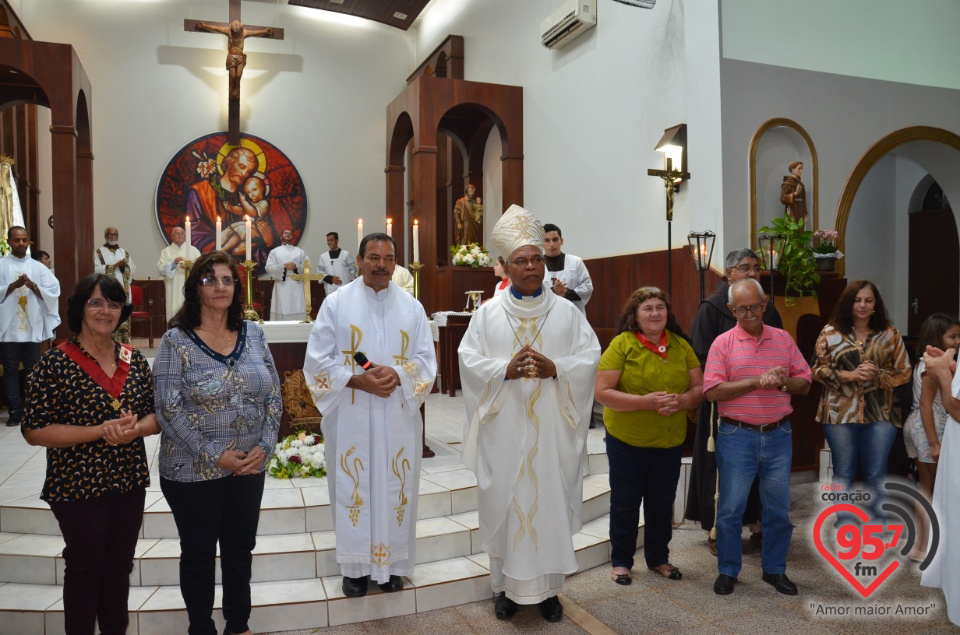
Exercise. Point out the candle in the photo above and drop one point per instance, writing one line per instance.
(390, 227)
(359, 233)
(246, 219)
(416, 241)
(186, 225)
(219, 235)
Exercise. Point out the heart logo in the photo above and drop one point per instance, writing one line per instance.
(829, 557)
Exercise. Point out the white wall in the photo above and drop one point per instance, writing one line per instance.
(319, 95)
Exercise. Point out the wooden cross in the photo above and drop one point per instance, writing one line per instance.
(306, 277)
(236, 33)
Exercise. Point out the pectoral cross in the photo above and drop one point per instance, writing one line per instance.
(306, 277)
(236, 33)
(669, 176)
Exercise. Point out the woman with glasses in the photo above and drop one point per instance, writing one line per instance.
(860, 359)
(218, 403)
(649, 379)
(90, 402)
(713, 318)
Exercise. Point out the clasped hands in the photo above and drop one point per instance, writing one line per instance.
(24, 280)
(559, 287)
(936, 360)
(773, 378)
(122, 430)
(242, 463)
(379, 381)
(530, 364)
(865, 372)
(665, 403)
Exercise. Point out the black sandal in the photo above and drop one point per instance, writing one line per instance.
(622, 578)
(672, 573)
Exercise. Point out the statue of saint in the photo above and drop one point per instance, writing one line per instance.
(793, 194)
(7, 192)
(236, 59)
(468, 218)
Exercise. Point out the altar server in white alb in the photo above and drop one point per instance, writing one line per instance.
(28, 314)
(287, 301)
(567, 274)
(172, 270)
(370, 366)
(336, 265)
(528, 363)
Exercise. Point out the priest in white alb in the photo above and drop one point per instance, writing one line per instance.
(287, 301)
(528, 363)
(172, 270)
(370, 366)
(113, 260)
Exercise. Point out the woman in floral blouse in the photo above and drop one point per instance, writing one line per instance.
(89, 401)
(860, 360)
(218, 403)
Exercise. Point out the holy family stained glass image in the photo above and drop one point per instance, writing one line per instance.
(219, 187)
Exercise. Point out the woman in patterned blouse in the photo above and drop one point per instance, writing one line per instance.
(89, 401)
(860, 360)
(218, 403)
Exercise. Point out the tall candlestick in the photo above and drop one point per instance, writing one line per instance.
(359, 233)
(246, 219)
(219, 235)
(416, 241)
(186, 226)
(390, 227)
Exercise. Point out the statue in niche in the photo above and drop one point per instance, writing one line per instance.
(468, 218)
(7, 192)
(793, 194)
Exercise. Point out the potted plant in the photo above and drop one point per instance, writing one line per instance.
(796, 263)
(470, 255)
(825, 249)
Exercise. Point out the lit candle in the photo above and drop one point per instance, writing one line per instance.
(416, 241)
(246, 219)
(219, 235)
(186, 225)
(390, 227)
(774, 260)
(359, 233)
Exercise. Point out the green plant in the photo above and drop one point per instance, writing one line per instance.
(797, 263)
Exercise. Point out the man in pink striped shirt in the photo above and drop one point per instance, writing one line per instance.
(752, 371)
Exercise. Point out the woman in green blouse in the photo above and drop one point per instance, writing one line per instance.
(649, 379)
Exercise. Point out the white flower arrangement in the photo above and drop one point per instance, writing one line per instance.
(299, 455)
(470, 255)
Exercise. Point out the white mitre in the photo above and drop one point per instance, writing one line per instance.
(516, 228)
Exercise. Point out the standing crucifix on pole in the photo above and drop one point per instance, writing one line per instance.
(669, 176)
(306, 277)
(236, 33)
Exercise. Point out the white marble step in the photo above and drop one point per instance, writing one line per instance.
(37, 609)
(35, 558)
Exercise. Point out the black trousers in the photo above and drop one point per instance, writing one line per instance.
(224, 510)
(12, 354)
(101, 538)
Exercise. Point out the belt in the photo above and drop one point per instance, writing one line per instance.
(765, 427)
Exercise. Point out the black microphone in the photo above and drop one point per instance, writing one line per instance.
(361, 359)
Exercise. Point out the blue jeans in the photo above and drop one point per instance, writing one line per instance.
(648, 476)
(743, 455)
(870, 443)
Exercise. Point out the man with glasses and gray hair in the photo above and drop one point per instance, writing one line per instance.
(713, 318)
(752, 371)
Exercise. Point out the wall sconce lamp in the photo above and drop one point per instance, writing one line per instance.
(673, 144)
(771, 248)
(702, 245)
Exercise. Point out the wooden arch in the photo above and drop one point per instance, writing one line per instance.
(56, 79)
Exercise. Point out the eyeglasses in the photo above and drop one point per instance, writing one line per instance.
(97, 303)
(748, 268)
(212, 281)
(536, 261)
(740, 311)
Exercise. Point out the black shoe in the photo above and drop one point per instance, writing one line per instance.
(781, 583)
(724, 584)
(355, 587)
(11, 423)
(395, 584)
(504, 608)
(551, 609)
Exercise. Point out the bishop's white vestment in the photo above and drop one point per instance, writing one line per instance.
(373, 444)
(525, 438)
(174, 275)
(287, 301)
(23, 316)
(343, 266)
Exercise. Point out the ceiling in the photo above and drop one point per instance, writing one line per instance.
(385, 11)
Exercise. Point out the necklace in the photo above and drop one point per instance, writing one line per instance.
(219, 342)
(100, 354)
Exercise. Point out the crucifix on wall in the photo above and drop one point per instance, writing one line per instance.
(236, 33)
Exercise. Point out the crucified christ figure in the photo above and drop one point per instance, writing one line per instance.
(236, 59)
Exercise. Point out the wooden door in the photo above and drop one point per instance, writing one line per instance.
(934, 261)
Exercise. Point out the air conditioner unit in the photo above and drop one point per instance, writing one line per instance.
(568, 23)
